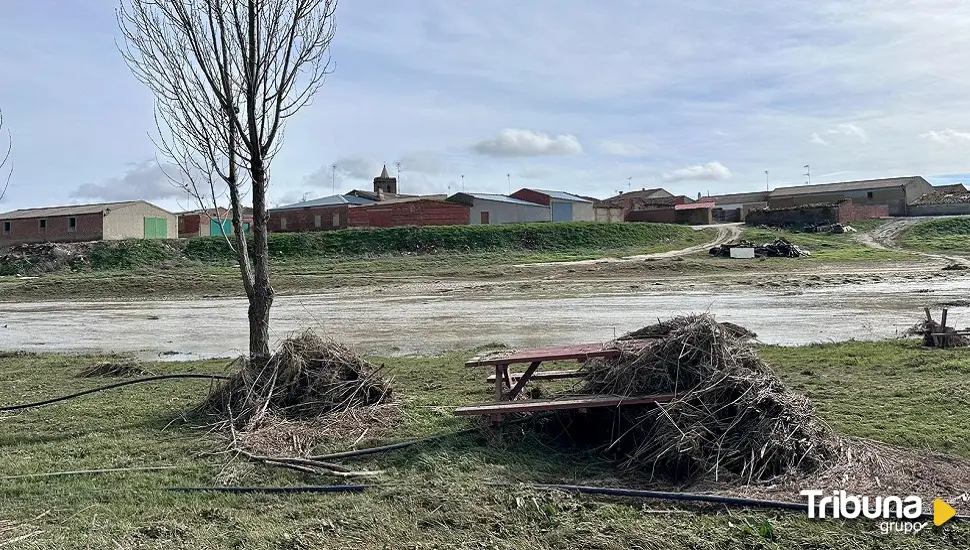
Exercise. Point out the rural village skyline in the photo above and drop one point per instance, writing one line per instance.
(554, 95)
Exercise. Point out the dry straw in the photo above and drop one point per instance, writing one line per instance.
(732, 417)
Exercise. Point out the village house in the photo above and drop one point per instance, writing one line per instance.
(495, 209)
(205, 223)
(895, 193)
(565, 207)
(87, 222)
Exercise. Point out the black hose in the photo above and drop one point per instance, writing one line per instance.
(689, 497)
(299, 489)
(112, 386)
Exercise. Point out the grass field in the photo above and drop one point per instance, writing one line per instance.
(942, 235)
(436, 495)
(829, 247)
(312, 262)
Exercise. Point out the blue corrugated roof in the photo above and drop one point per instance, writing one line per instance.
(495, 197)
(562, 195)
(332, 200)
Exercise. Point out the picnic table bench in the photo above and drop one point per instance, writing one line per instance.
(509, 385)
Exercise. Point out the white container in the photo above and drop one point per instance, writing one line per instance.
(744, 253)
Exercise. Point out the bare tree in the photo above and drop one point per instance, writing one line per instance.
(4, 157)
(226, 75)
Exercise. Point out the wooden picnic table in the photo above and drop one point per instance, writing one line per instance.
(509, 385)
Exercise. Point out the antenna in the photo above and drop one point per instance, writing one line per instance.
(766, 181)
(629, 183)
(463, 183)
(398, 164)
(333, 177)
(808, 174)
(509, 176)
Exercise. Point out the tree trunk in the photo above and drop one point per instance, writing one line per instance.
(262, 298)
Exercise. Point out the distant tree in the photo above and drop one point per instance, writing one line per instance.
(226, 74)
(4, 158)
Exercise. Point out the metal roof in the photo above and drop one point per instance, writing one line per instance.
(652, 193)
(70, 210)
(405, 199)
(735, 198)
(496, 197)
(561, 195)
(332, 200)
(842, 186)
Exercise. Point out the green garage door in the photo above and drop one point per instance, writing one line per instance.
(156, 228)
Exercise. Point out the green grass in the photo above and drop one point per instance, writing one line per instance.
(944, 235)
(432, 496)
(537, 237)
(306, 263)
(826, 247)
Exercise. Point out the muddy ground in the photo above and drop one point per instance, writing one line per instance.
(786, 301)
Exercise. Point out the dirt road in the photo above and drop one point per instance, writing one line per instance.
(725, 233)
(430, 323)
(886, 237)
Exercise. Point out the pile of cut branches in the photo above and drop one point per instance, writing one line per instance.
(307, 377)
(732, 418)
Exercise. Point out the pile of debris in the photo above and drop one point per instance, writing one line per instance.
(38, 258)
(732, 418)
(307, 377)
(938, 335)
(779, 248)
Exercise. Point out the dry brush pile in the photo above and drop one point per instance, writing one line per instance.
(731, 419)
(311, 390)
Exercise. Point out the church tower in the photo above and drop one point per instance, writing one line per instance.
(384, 183)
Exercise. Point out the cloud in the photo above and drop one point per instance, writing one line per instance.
(712, 171)
(359, 168)
(424, 163)
(619, 149)
(527, 143)
(534, 173)
(947, 137)
(846, 129)
(142, 181)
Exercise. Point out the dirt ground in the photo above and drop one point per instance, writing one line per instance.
(786, 301)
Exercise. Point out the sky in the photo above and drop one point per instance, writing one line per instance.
(696, 96)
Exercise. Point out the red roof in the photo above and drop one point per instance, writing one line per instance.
(694, 206)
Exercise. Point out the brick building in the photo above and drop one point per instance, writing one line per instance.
(323, 214)
(87, 222)
(895, 193)
(205, 223)
(423, 210)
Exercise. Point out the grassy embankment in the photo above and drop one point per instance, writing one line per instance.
(826, 247)
(305, 262)
(437, 495)
(942, 235)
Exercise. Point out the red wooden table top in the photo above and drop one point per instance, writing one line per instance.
(577, 352)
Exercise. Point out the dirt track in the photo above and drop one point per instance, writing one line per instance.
(725, 233)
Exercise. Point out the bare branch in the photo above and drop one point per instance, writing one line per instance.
(226, 74)
(4, 158)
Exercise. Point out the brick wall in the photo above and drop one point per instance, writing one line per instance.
(819, 214)
(531, 196)
(88, 227)
(849, 212)
(658, 215)
(305, 219)
(794, 217)
(409, 213)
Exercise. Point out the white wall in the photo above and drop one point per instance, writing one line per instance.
(500, 212)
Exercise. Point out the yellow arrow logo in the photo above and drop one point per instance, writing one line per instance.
(942, 512)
